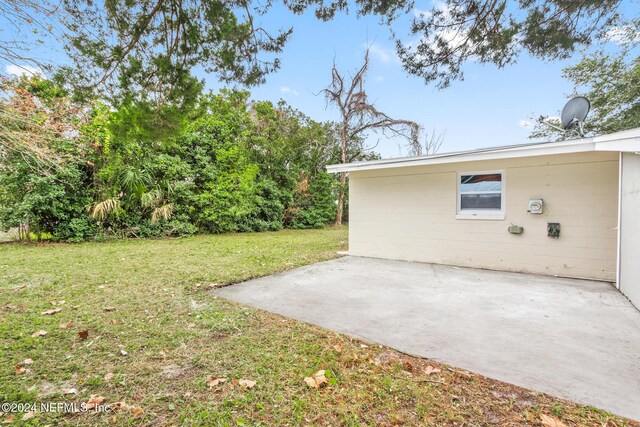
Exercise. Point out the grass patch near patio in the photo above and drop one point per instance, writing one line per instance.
(156, 337)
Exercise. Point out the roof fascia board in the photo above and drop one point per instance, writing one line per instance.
(505, 153)
(626, 145)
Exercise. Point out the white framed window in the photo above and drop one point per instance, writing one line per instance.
(481, 195)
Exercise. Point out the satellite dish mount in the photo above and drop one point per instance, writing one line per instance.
(573, 115)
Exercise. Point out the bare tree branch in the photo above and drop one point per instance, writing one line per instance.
(358, 116)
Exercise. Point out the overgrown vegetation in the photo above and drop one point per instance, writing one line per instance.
(78, 171)
(136, 325)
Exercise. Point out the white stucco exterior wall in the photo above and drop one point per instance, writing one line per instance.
(409, 213)
(630, 228)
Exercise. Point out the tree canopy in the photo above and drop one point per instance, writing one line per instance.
(146, 51)
(611, 82)
(497, 31)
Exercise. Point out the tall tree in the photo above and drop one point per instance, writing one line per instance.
(612, 84)
(149, 47)
(497, 31)
(358, 116)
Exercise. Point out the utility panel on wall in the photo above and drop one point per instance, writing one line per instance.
(535, 206)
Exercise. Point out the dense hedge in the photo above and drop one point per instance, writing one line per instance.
(233, 165)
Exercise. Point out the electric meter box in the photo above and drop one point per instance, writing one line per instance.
(535, 206)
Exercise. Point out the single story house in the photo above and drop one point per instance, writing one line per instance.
(569, 208)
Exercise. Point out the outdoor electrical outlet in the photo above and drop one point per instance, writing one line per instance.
(516, 229)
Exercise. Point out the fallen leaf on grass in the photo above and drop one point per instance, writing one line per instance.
(83, 335)
(109, 308)
(27, 362)
(28, 415)
(431, 370)
(70, 391)
(124, 353)
(109, 376)
(9, 419)
(122, 406)
(39, 333)
(20, 369)
(247, 383)
(338, 348)
(316, 380)
(67, 325)
(549, 421)
(213, 381)
(94, 401)
(408, 366)
(52, 311)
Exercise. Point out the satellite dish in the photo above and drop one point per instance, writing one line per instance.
(574, 113)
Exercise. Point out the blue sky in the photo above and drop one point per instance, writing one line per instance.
(488, 108)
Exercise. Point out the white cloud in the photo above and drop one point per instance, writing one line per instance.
(437, 5)
(421, 13)
(382, 53)
(454, 37)
(623, 34)
(525, 124)
(286, 90)
(23, 70)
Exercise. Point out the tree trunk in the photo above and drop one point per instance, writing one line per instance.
(343, 182)
(343, 175)
(27, 230)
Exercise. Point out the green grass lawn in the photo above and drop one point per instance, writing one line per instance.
(155, 338)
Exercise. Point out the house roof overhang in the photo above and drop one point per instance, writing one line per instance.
(624, 141)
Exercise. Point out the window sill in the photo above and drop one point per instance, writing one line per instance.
(491, 217)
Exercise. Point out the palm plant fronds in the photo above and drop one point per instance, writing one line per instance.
(135, 181)
(101, 210)
(152, 198)
(162, 212)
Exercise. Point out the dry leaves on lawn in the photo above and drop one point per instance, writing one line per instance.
(27, 361)
(21, 369)
(317, 380)
(338, 348)
(39, 333)
(122, 406)
(549, 421)
(108, 376)
(28, 415)
(213, 381)
(52, 311)
(83, 335)
(94, 401)
(431, 370)
(109, 308)
(247, 383)
(67, 325)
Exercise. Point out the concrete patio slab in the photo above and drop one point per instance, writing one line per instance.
(574, 339)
